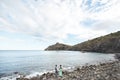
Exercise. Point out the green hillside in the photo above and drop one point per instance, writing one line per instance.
(107, 44)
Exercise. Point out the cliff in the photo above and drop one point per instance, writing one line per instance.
(107, 44)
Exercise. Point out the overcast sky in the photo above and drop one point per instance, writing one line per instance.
(36, 24)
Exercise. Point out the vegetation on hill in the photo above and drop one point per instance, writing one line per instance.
(108, 44)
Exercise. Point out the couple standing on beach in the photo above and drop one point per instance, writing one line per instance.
(58, 72)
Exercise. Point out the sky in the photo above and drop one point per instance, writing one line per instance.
(36, 24)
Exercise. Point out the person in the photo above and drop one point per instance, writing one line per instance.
(56, 71)
(60, 71)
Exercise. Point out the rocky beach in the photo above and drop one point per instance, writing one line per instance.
(102, 71)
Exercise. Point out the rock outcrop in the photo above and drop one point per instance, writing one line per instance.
(105, 44)
(58, 46)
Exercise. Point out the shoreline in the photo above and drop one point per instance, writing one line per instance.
(102, 71)
(67, 68)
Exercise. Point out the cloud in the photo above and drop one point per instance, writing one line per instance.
(54, 20)
(3, 38)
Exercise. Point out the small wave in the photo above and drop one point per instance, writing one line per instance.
(13, 77)
(33, 74)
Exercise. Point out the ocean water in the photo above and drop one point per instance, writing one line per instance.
(36, 62)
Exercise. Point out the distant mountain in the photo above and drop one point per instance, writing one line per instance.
(58, 46)
(107, 44)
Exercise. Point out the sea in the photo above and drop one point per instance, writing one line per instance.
(14, 63)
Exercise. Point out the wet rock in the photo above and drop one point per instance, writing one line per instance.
(16, 72)
(117, 56)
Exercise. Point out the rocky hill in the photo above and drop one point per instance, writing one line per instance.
(58, 46)
(108, 44)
